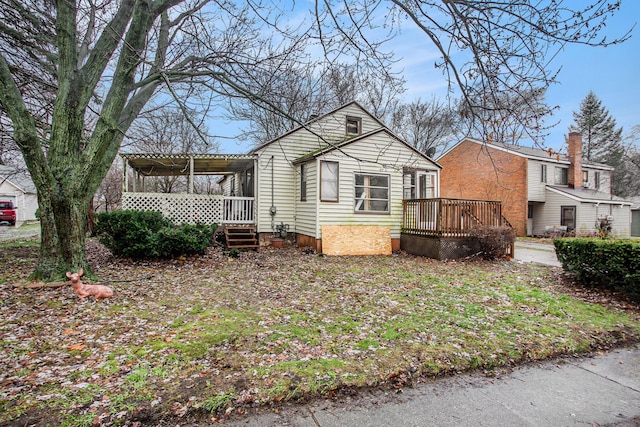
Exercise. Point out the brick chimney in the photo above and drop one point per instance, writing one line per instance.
(575, 160)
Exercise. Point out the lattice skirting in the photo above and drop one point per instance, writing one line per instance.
(181, 208)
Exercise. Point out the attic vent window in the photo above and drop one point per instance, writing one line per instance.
(354, 125)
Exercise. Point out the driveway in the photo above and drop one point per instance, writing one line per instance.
(19, 231)
(541, 253)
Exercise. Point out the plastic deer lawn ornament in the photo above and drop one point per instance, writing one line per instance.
(83, 290)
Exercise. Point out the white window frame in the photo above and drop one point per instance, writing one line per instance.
(362, 193)
(327, 182)
(561, 176)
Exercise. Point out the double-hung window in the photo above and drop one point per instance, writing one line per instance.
(329, 181)
(371, 193)
(543, 173)
(561, 176)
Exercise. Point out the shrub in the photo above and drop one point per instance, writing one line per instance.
(147, 234)
(611, 264)
(131, 233)
(493, 240)
(186, 239)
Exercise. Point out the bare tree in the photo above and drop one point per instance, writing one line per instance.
(109, 195)
(292, 98)
(109, 59)
(508, 118)
(429, 126)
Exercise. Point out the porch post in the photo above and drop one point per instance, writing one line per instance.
(190, 175)
(255, 191)
(125, 178)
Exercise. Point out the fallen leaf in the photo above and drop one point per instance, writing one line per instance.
(77, 347)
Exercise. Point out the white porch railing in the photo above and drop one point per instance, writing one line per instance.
(192, 208)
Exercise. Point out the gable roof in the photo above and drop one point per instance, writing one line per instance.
(338, 146)
(589, 196)
(530, 153)
(316, 119)
(19, 179)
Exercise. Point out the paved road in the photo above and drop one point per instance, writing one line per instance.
(540, 253)
(599, 391)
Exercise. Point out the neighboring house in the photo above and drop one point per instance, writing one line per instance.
(635, 217)
(18, 187)
(540, 190)
(337, 184)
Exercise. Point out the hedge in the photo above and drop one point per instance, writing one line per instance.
(611, 264)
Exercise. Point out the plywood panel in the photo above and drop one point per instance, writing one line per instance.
(356, 240)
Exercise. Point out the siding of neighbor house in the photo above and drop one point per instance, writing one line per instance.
(586, 215)
(536, 188)
(469, 171)
(26, 202)
(635, 223)
(278, 156)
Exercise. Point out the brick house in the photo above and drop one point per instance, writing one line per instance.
(540, 190)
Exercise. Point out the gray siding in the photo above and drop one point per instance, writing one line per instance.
(549, 214)
(278, 157)
(535, 186)
(378, 153)
(307, 211)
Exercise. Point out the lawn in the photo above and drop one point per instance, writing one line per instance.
(206, 337)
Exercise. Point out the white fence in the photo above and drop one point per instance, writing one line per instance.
(193, 208)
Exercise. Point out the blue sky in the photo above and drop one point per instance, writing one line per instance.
(612, 73)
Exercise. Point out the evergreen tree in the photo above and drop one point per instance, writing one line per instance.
(600, 138)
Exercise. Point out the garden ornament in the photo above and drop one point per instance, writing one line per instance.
(83, 290)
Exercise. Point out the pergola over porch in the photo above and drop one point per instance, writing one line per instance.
(190, 207)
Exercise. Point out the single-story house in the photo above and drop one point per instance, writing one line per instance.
(17, 186)
(336, 184)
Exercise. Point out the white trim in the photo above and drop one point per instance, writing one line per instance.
(597, 201)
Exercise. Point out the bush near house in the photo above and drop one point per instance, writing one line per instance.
(493, 240)
(147, 234)
(611, 264)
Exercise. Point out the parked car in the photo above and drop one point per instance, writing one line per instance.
(7, 212)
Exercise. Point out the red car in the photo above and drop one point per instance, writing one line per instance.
(7, 212)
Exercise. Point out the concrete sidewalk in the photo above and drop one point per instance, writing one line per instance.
(603, 390)
(540, 253)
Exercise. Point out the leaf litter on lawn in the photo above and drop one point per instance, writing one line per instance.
(207, 336)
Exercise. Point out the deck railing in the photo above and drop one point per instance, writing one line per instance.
(449, 217)
(192, 208)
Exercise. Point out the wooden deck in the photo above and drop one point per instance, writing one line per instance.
(442, 228)
(449, 217)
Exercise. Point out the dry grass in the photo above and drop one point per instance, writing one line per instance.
(194, 337)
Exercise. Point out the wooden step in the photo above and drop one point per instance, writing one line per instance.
(241, 236)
